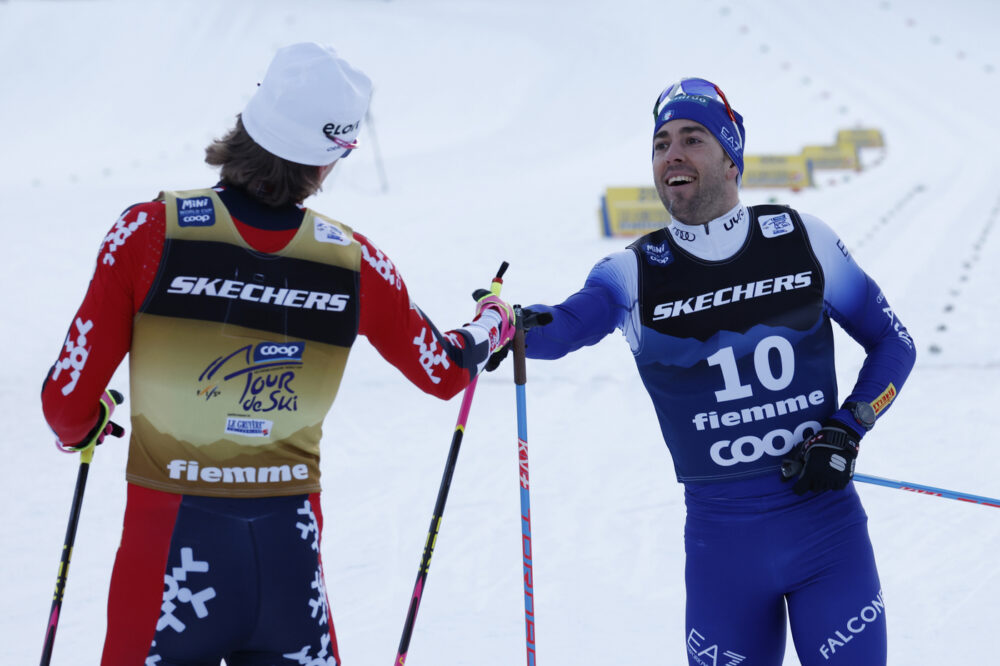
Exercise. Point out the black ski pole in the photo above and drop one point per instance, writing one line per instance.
(442, 498)
(67, 550)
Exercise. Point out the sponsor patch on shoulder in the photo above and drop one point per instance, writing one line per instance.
(195, 212)
(329, 233)
(775, 225)
(658, 254)
(238, 425)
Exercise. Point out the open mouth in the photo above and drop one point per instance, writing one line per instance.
(677, 181)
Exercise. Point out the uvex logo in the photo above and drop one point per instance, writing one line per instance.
(734, 220)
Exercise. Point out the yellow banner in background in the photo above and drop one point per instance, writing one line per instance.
(861, 138)
(791, 171)
(838, 156)
(632, 211)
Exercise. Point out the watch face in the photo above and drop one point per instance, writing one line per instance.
(863, 413)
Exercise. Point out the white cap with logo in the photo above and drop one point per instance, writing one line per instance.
(308, 108)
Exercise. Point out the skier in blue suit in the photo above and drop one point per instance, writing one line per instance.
(727, 311)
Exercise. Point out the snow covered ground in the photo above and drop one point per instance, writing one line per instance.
(499, 125)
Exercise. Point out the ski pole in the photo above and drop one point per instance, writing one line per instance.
(370, 126)
(442, 497)
(67, 550)
(520, 378)
(928, 490)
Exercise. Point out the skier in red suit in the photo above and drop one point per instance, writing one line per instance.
(238, 307)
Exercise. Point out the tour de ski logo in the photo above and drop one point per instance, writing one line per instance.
(262, 375)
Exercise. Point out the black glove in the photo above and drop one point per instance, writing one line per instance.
(825, 461)
(529, 319)
(104, 426)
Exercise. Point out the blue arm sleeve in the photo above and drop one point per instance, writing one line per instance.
(856, 303)
(601, 306)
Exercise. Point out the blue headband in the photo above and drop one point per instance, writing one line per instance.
(703, 102)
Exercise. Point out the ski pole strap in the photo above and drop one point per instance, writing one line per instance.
(520, 366)
(928, 490)
(104, 426)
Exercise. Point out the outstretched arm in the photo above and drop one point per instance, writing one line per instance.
(602, 305)
(441, 364)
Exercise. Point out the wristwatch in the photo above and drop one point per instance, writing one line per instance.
(862, 412)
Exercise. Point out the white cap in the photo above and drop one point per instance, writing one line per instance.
(308, 108)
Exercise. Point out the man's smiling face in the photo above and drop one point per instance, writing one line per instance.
(693, 175)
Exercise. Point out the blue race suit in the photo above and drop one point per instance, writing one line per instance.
(729, 324)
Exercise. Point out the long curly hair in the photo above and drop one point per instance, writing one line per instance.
(268, 178)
